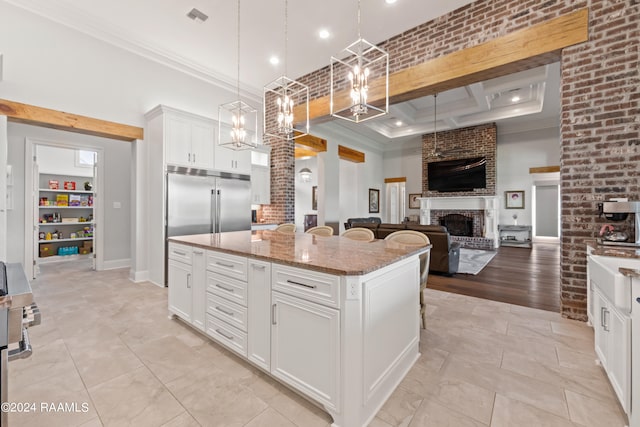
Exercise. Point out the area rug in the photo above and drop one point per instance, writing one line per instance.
(472, 261)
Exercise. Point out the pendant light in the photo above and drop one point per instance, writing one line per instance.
(237, 120)
(352, 71)
(281, 97)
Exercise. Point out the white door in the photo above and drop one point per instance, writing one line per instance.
(305, 347)
(619, 358)
(396, 205)
(180, 293)
(259, 296)
(599, 327)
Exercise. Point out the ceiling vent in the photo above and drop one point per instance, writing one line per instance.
(197, 16)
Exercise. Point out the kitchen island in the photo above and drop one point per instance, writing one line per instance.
(333, 318)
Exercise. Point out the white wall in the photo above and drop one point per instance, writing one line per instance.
(303, 190)
(337, 180)
(406, 161)
(517, 152)
(117, 188)
(49, 65)
(60, 161)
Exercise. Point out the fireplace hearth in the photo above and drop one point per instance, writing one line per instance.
(458, 225)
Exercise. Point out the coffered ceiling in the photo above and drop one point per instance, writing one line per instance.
(160, 30)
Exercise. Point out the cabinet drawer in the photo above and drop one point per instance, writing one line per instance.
(227, 288)
(227, 265)
(226, 335)
(232, 313)
(180, 252)
(310, 285)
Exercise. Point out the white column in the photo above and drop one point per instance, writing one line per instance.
(425, 211)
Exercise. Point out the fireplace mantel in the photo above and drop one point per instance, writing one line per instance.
(488, 204)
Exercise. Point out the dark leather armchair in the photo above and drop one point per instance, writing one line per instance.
(445, 254)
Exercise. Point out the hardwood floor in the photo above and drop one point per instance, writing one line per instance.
(521, 276)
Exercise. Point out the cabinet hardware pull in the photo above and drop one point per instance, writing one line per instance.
(602, 310)
(222, 264)
(273, 314)
(224, 287)
(638, 300)
(189, 157)
(229, 337)
(198, 252)
(302, 284)
(262, 267)
(194, 157)
(180, 253)
(606, 324)
(188, 280)
(229, 313)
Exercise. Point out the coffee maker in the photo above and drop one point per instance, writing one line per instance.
(619, 211)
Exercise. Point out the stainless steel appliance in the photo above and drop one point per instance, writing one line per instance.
(202, 201)
(17, 313)
(618, 211)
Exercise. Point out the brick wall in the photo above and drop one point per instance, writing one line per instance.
(599, 94)
(476, 141)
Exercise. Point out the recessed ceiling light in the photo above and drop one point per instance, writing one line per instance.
(390, 1)
(324, 33)
(274, 60)
(398, 123)
(516, 98)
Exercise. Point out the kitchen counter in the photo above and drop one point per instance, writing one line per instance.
(333, 318)
(328, 254)
(613, 250)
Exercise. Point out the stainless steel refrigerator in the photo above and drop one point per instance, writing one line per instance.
(201, 201)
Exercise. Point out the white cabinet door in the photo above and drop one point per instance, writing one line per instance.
(178, 141)
(180, 291)
(619, 357)
(199, 284)
(229, 160)
(260, 185)
(202, 145)
(601, 334)
(259, 301)
(305, 347)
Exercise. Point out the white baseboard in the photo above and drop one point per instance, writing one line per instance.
(138, 276)
(116, 263)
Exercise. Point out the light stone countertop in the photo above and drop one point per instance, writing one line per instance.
(328, 254)
(613, 251)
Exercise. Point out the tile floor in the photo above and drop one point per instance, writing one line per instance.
(107, 343)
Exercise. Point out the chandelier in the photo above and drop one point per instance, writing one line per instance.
(242, 117)
(350, 81)
(281, 97)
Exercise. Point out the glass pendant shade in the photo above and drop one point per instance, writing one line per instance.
(237, 126)
(280, 98)
(359, 74)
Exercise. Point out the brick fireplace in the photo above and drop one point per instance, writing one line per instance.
(481, 212)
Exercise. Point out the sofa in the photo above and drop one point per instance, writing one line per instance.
(445, 254)
(371, 219)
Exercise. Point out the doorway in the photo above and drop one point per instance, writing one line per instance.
(64, 209)
(546, 212)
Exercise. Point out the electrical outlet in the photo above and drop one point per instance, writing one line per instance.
(353, 289)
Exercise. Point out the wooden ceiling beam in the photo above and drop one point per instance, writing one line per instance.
(349, 154)
(398, 179)
(39, 116)
(520, 50)
(545, 169)
(302, 152)
(311, 143)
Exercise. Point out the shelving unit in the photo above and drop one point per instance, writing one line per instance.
(49, 249)
(515, 235)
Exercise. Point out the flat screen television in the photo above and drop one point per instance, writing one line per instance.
(457, 175)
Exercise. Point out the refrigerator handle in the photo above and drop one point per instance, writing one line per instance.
(215, 209)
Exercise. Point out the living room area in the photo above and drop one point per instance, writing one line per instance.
(514, 216)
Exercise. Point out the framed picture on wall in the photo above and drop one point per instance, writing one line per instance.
(374, 200)
(314, 198)
(514, 199)
(414, 203)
